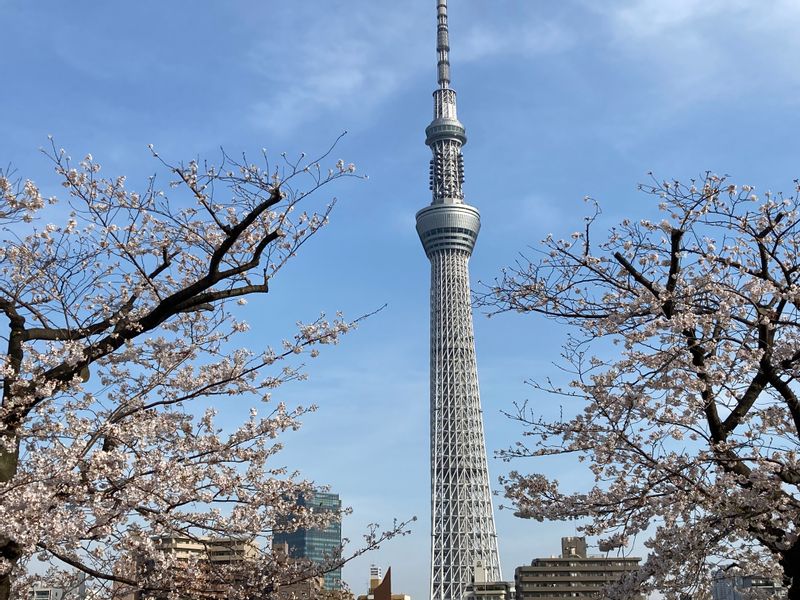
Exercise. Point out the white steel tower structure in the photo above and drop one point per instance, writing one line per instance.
(462, 521)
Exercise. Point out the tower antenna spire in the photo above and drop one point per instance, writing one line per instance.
(443, 44)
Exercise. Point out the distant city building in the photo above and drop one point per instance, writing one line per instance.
(317, 545)
(380, 588)
(40, 592)
(312, 588)
(79, 591)
(574, 574)
(214, 550)
(481, 588)
(211, 554)
(742, 587)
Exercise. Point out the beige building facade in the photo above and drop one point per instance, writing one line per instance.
(574, 574)
(215, 550)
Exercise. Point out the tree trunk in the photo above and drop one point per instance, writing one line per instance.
(8, 461)
(9, 549)
(791, 571)
(5, 587)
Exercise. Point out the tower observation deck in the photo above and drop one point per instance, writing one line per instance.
(462, 520)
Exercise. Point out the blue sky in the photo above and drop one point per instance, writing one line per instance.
(560, 99)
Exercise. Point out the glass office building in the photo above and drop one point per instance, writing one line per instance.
(317, 545)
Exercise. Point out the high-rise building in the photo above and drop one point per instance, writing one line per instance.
(462, 521)
(574, 574)
(311, 587)
(318, 545)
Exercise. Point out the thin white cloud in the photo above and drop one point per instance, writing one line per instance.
(340, 62)
(703, 48)
(682, 56)
(526, 38)
(347, 65)
(642, 18)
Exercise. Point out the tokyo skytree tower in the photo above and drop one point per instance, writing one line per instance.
(462, 521)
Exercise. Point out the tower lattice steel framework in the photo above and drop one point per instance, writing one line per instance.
(462, 521)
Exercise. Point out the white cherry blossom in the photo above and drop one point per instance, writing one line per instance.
(689, 420)
(119, 331)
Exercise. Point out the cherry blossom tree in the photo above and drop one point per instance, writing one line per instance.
(683, 356)
(119, 353)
